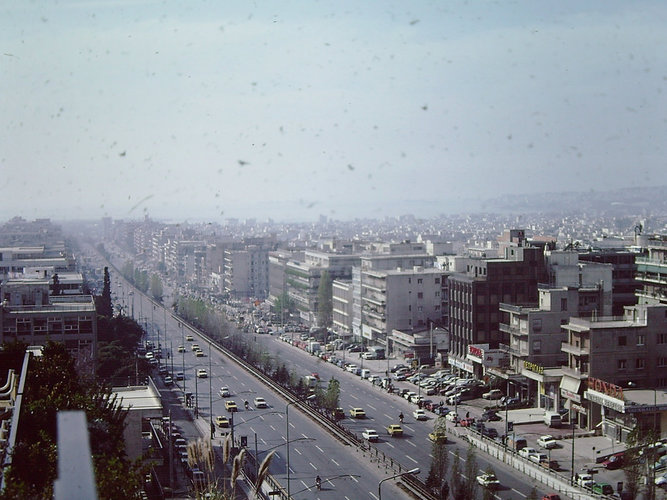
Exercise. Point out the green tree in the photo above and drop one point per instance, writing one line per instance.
(324, 302)
(283, 306)
(632, 460)
(53, 385)
(438, 471)
(458, 483)
(470, 473)
(156, 287)
(103, 303)
(332, 395)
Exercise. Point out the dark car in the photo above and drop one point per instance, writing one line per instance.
(490, 432)
(490, 416)
(396, 367)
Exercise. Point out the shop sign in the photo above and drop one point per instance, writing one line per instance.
(605, 387)
(604, 400)
(570, 395)
(461, 364)
(578, 409)
(533, 367)
(476, 351)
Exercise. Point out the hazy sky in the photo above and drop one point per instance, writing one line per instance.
(214, 109)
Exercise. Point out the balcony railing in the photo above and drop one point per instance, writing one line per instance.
(574, 372)
(571, 349)
(512, 330)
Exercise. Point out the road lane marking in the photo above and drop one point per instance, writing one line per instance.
(390, 445)
(319, 448)
(408, 456)
(354, 479)
(516, 491)
(413, 444)
(372, 408)
(311, 464)
(387, 415)
(297, 450)
(336, 463)
(371, 493)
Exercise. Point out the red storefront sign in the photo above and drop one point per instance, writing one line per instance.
(605, 387)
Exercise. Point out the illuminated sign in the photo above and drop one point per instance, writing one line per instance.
(533, 367)
(607, 388)
(604, 400)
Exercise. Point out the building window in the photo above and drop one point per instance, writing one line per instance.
(437, 280)
(640, 364)
(409, 308)
(563, 304)
(621, 364)
(662, 338)
(537, 346)
(420, 295)
(420, 308)
(437, 294)
(419, 281)
(662, 362)
(641, 339)
(622, 340)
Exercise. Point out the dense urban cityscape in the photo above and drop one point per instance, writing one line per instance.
(473, 356)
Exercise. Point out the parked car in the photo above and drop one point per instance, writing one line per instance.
(547, 442)
(584, 479)
(493, 394)
(394, 430)
(551, 496)
(370, 434)
(615, 461)
(338, 414)
(452, 417)
(168, 380)
(490, 415)
(419, 414)
(397, 367)
(179, 376)
(603, 489)
(490, 432)
(488, 480)
(527, 451)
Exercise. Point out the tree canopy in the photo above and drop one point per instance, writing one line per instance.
(324, 301)
(53, 385)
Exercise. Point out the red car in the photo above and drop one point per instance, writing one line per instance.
(467, 422)
(551, 496)
(615, 461)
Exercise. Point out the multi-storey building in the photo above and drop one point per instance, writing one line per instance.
(628, 351)
(343, 300)
(475, 296)
(623, 280)
(30, 314)
(247, 272)
(14, 261)
(652, 272)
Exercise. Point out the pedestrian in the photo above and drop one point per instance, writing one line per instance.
(467, 414)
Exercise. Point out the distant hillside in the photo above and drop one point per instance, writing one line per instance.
(640, 200)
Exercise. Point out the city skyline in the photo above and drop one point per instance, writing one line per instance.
(281, 111)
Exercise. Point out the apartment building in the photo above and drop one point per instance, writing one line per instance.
(343, 300)
(16, 261)
(605, 355)
(475, 296)
(624, 282)
(651, 275)
(30, 314)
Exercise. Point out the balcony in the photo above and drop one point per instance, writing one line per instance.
(512, 330)
(572, 349)
(575, 372)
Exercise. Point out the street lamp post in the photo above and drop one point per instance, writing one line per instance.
(287, 435)
(210, 391)
(412, 471)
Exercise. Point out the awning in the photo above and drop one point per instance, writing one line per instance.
(570, 384)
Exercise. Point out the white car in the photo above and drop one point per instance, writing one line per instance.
(224, 392)
(547, 442)
(527, 451)
(408, 395)
(370, 434)
(584, 480)
(202, 373)
(661, 480)
(488, 480)
(260, 403)
(452, 417)
(419, 414)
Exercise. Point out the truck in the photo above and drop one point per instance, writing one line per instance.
(377, 352)
(313, 347)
